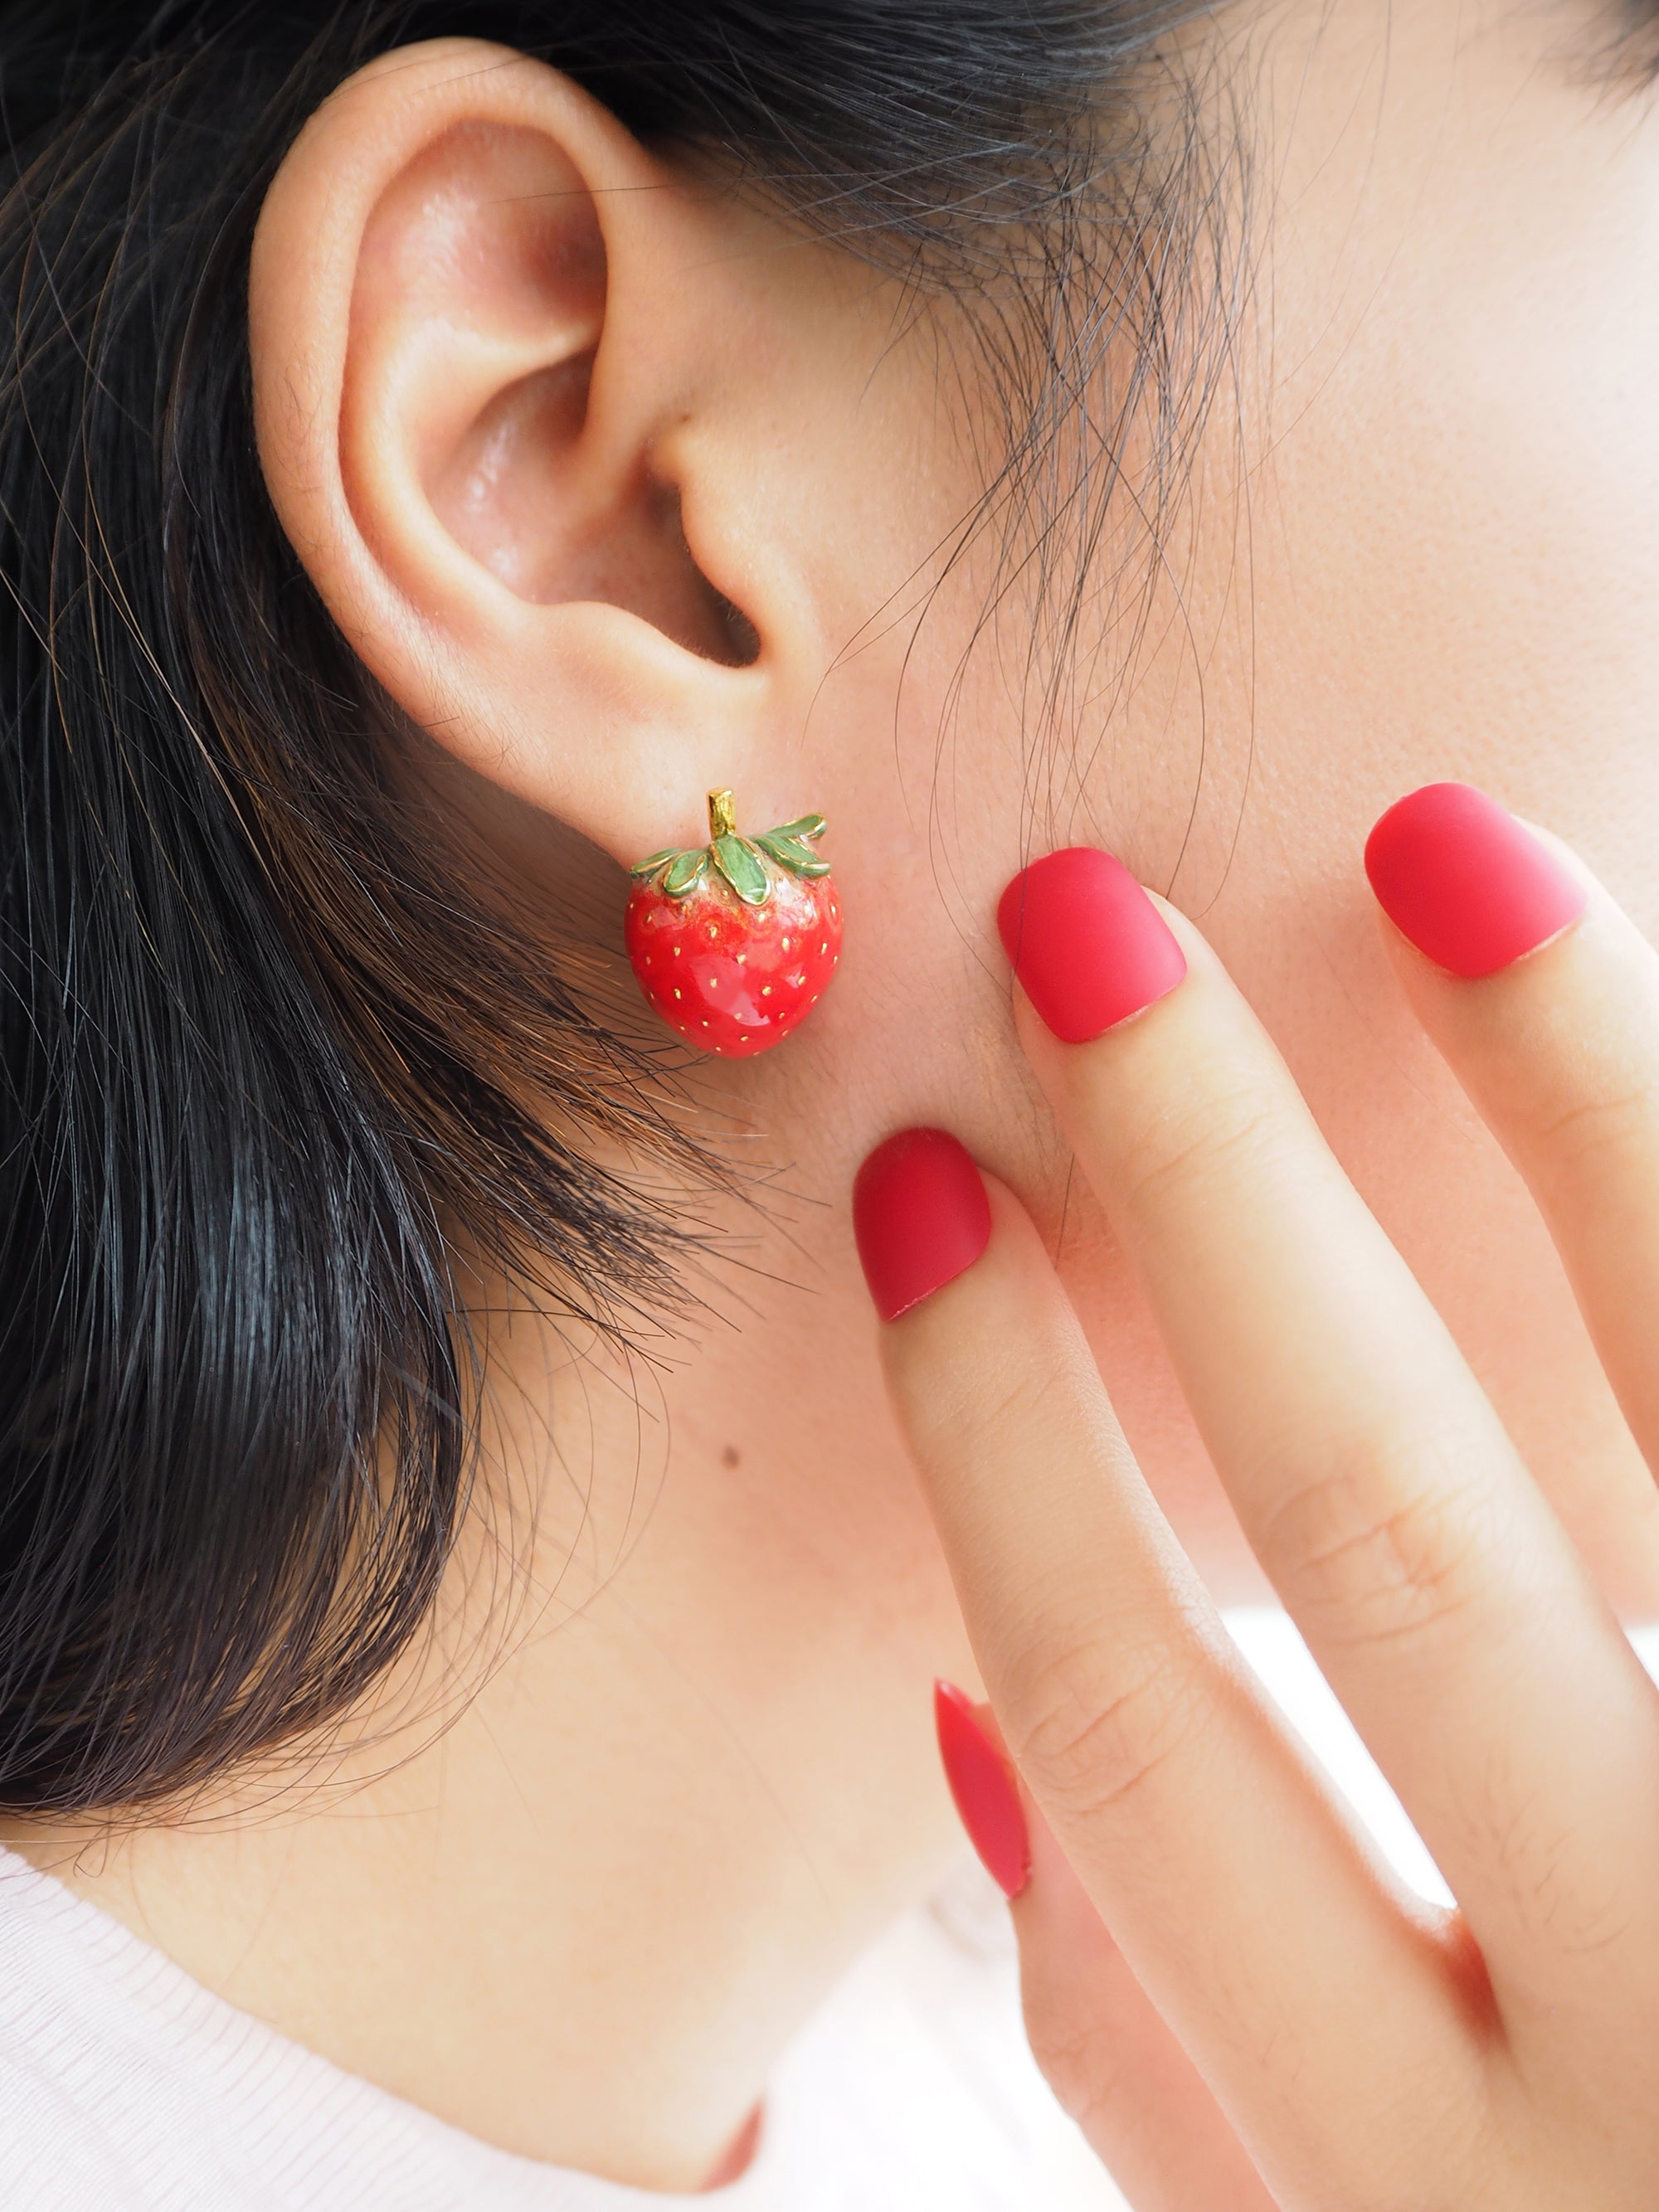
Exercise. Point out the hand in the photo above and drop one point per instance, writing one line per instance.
(1225, 1988)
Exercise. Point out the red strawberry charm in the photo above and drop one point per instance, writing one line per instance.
(734, 941)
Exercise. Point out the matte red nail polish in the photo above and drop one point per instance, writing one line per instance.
(1088, 945)
(1466, 882)
(983, 1789)
(921, 1217)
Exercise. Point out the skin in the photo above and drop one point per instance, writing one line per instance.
(1262, 2051)
(1417, 544)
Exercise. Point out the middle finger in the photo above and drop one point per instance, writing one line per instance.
(1471, 1646)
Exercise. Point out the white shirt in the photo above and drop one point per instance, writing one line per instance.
(125, 2086)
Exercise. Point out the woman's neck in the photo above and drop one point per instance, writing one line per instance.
(661, 1770)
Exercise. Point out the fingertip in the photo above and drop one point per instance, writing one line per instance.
(1086, 943)
(1468, 883)
(920, 1217)
(982, 1787)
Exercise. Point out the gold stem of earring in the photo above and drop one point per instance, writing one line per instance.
(722, 815)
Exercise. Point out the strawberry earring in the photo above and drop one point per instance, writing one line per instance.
(733, 942)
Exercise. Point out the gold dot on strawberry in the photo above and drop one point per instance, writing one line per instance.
(734, 942)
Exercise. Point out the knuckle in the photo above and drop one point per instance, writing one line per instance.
(978, 1404)
(1217, 1136)
(1577, 1131)
(1082, 2060)
(1100, 1722)
(1384, 1546)
(1430, 2147)
(1525, 1838)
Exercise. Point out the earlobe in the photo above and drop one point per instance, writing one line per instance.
(472, 388)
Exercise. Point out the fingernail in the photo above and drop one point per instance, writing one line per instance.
(1466, 882)
(921, 1217)
(983, 1789)
(1088, 945)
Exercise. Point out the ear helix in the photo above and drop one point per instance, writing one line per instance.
(734, 942)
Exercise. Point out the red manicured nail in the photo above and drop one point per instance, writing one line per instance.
(1466, 882)
(1088, 945)
(983, 1789)
(921, 1217)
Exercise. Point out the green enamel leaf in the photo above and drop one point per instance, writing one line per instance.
(687, 873)
(806, 825)
(799, 860)
(744, 869)
(650, 867)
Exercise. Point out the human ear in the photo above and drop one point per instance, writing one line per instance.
(485, 374)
